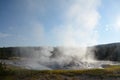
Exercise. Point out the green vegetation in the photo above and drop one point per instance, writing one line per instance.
(8, 72)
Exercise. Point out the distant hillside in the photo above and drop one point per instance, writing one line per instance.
(108, 52)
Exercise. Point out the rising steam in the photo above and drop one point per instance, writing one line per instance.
(80, 19)
(76, 32)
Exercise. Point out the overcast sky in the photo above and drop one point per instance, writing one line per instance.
(59, 22)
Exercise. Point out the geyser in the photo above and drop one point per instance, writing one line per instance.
(57, 57)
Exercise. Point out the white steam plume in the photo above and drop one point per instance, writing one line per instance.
(81, 18)
(80, 21)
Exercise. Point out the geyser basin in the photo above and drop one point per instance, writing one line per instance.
(75, 65)
(62, 57)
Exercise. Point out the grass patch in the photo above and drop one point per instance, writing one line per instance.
(17, 73)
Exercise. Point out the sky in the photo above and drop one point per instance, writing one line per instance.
(59, 22)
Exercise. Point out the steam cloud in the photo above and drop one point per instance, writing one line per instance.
(55, 57)
(76, 31)
(80, 19)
